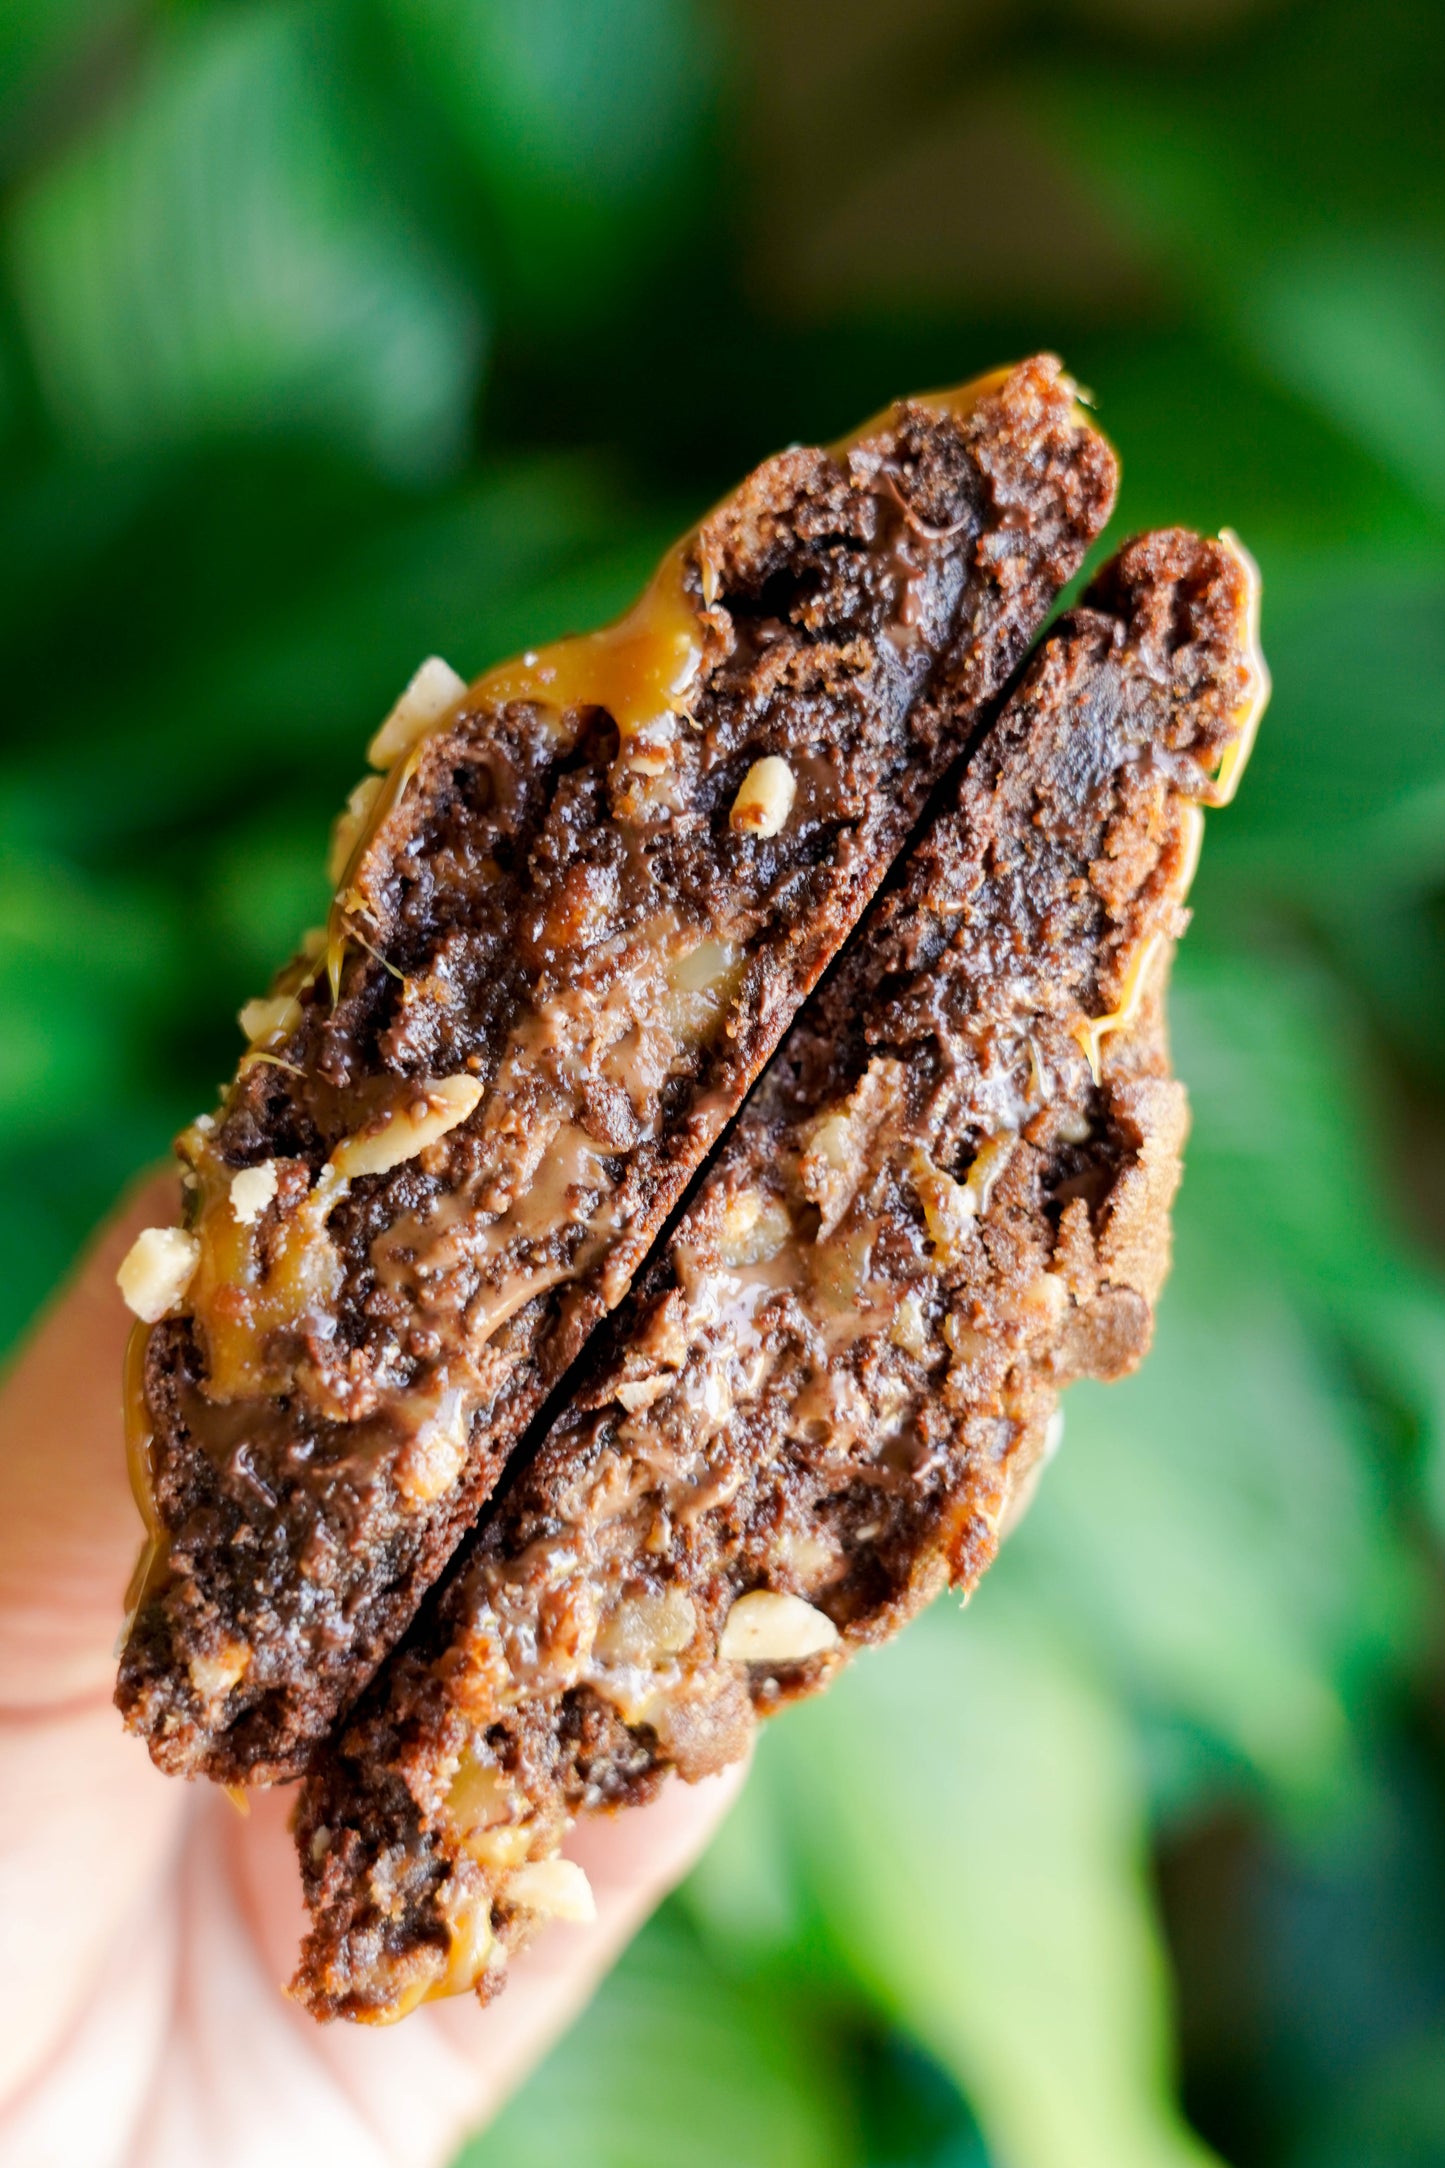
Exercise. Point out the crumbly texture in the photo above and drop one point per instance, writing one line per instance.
(568, 942)
(948, 1197)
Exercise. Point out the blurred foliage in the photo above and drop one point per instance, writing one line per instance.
(339, 331)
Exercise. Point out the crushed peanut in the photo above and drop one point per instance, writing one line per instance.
(700, 985)
(471, 1947)
(399, 1133)
(156, 1271)
(432, 691)
(349, 824)
(555, 1888)
(635, 1394)
(269, 1017)
(910, 1326)
(754, 1228)
(949, 1208)
(647, 1627)
(214, 1676)
(768, 1628)
(252, 1189)
(434, 1456)
(764, 799)
(988, 1164)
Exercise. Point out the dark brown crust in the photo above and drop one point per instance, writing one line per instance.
(850, 1415)
(867, 608)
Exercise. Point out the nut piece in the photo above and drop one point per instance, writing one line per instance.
(635, 1394)
(989, 1163)
(949, 1208)
(435, 1454)
(428, 1112)
(647, 1628)
(435, 688)
(766, 1628)
(214, 1676)
(157, 1270)
(762, 805)
(269, 1017)
(252, 1190)
(350, 822)
(700, 986)
(910, 1326)
(754, 1228)
(555, 1888)
(467, 1956)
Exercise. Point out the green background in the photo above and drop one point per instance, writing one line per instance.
(333, 334)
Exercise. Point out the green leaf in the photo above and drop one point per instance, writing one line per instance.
(1287, 1166)
(964, 1809)
(302, 678)
(1358, 325)
(218, 258)
(577, 117)
(1347, 780)
(1214, 1534)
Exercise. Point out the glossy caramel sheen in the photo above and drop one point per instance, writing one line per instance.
(639, 669)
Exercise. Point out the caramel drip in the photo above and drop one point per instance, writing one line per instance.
(139, 1439)
(959, 400)
(639, 669)
(245, 1304)
(1246, 718)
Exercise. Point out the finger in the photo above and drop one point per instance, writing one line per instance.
(84, 1819)
(69, 1530)
(421, 2085)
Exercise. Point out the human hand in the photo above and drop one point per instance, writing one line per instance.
(147, 1927)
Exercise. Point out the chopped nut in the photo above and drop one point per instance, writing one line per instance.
(700, 986)
(499, 1847)
(398, 1134)
(966, 1341)
(636, 1394)
(555, 1888)
(810, 1557)
(765, 799)
(838, 1144)
(754, 1228)
(949, 1207)
(768, 1628)
(269, 1017)
(214, 1676)
(252, 1189)
(646, 1627)
(157, 1270)
(349, 824)
(910, 1325)
(433, 1457)
(989, 1163)
(471, 1946)
(479, 1795)
(431, 692)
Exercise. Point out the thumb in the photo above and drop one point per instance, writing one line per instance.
(69, 1529)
